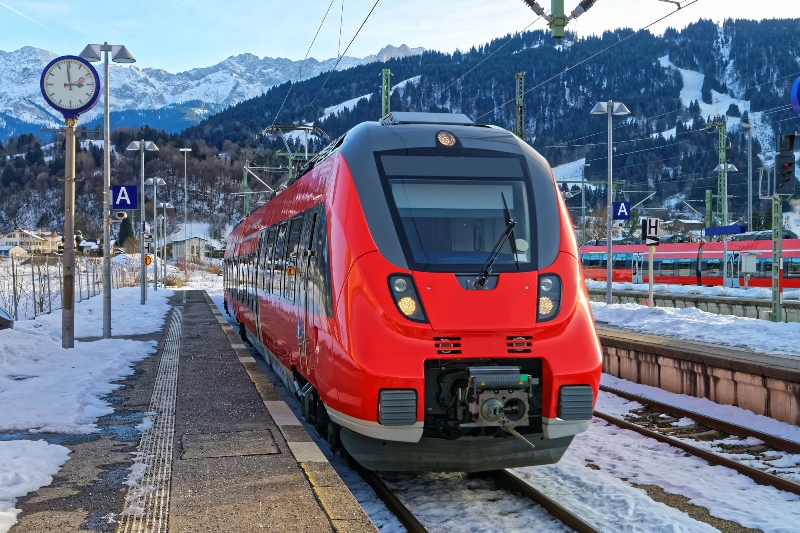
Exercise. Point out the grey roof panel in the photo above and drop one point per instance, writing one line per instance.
(407, 117)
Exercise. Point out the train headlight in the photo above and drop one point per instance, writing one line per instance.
(549, 297)
(405, 297)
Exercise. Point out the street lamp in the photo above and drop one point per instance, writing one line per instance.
(155, 182)
(609, 108)
(185, 236)
(728, 167)
(119, 54)
(164, 207)
(583, 200)
(142, 146)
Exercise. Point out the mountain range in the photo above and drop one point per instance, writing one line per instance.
(156, 97)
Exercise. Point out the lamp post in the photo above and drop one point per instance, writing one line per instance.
(160, 224)
(119, 54)
(185, 192)
(142, 146)
(164, 207)
(609, 108)
(583, 201)
(155, 182)
(728, 167)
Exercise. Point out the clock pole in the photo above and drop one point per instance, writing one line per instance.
(68, 306)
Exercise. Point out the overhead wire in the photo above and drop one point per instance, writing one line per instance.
(567, 69)
(340, 59)
(511, 38)
(300, 69)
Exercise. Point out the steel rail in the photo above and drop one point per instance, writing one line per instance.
(714, 423)
(760, 477)
(509, 481)
(388, 497)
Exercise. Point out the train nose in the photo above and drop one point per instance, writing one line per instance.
(508, 302)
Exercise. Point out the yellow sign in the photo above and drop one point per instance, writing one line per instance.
(147, 260)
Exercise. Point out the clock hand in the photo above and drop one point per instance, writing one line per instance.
(69, 79)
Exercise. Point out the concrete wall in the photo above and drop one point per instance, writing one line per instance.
(720, 305)
(769, 390)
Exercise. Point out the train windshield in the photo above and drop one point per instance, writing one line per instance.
(450, 212)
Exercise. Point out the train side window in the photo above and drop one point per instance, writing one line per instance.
(684, 267)
(714, 268)
(585, 260)
(791, 267)
(594, 260)
(290, 273)
(667, 267)
(621, 260)
(268, 249)
(321, 275)
(277, 271)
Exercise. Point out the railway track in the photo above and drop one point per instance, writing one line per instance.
(759, 476)
(503, 478)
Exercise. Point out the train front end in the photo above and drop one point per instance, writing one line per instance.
(467, 342)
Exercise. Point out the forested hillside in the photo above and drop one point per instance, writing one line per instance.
(675, 86)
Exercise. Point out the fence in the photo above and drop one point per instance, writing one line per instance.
(33, 285)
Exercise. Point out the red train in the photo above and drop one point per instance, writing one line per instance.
(418, 286)
(698, 263)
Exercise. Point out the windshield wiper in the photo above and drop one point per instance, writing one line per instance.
(483, 277)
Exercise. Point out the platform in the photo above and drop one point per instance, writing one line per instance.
(765, 384)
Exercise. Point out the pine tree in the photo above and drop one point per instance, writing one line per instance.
(125, 231)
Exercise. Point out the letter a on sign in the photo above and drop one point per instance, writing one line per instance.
(124, 197)
(622, 210)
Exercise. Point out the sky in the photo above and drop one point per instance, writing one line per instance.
(178, 35)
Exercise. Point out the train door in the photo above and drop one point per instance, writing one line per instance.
(305, 325)
(732, 270)
(637, 264)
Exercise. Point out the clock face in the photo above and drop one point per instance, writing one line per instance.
(69, 84)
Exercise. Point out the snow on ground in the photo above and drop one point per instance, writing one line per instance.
(128, 316)
(782, 339)
(338, 108)
(571, 171)
(25, 466)
(603, 494)
(47, 389)
(741, 292)
(668, 134)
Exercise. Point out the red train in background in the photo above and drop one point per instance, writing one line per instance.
(418, 287)
(698, 263)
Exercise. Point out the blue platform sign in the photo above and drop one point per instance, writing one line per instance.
(124, 197)
(794, 96)
(622, 210)
(733, 229)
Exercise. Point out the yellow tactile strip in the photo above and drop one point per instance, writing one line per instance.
(344, 512)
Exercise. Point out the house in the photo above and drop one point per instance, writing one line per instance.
(88, 247)
(27, 240)
(40, 241)
(198, 249)
(15, 250)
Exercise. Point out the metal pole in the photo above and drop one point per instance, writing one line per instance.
(583, 204)
(14, 286)
(725, 223)
(49, 292)
(33, 281)
(609, 208)
(777, 261)
(68, 294)
(749, 171)
(652, 250)
(185, 235)
(61, 284)
(106, 207)
(143, 268)
(155, 234)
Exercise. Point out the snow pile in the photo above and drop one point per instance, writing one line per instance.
(45, 388)
(138, 319)
(25, 466)
(696, 325)
(752, 292)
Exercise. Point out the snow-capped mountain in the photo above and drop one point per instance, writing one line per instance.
(191, 95)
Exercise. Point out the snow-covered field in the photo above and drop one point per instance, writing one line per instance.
(47, 389)
(741, 292)
(781, 339)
